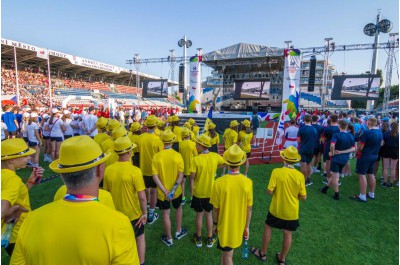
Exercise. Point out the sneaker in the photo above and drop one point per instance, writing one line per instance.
(325, 181)
(316, 170)
(357, 199)
(384, 184)
(307, 183)
(339, 183)
(197, 240)
(323, 190)
(369, 197)
(324, 175)
(183, 200)
(342, 176)
(390, 185)
(335, 197)
(297, 165)
(168, 242)
(381, 179)
(152, 220)
(182, 233)
(211, 240)
(310, 183)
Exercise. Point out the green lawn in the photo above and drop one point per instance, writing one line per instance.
(331, 232)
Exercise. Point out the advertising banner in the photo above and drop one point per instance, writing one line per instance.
(195, 84)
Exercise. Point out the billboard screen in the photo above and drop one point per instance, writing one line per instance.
(155, 88)
(360, 87)
(252, 90)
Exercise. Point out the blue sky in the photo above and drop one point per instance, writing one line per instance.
(112, 31)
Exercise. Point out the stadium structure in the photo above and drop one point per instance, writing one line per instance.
(75, 81)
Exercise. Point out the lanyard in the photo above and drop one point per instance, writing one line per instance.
(289, 166)
(233, 172)
(167, 148)
(80, 197)
(205, 152)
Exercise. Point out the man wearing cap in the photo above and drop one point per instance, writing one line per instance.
(232, 198)
(135, 132)
(167, 168)
(90, 232)
(187, 148)
(202, 174)
(14, 194)
(230, 137)
(287, 187)
(148, 145)
(89, 123)
(125, 183)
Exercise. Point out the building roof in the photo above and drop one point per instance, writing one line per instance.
(243, 50)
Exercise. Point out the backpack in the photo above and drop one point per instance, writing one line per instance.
(255, 121)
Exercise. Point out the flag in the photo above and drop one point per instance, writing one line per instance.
(208, 120)
(41, 53)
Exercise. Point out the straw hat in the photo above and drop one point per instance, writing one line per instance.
(187, 125)
(101, 123)
(234, 123)
(78, 153)
(14, 148)
(211, 126)
(151, 121)
(160, 123)
(168, 137)
(186, 132)
(246, 123)
(234, 156)
(119, 132)
(191, 121)
(123, 145)
(175, 118)
(290, 154)
(112, 125)
(204, 140)
(135, 126)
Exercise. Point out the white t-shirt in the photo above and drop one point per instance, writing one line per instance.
(90, 121)
(81, 131)
(44, 132)
(30, 129)
(3, 129)
(291, 133)
(23, 128)
(75, 130)
(56, 128)
(68, 128)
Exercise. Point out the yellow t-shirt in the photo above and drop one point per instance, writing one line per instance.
(148, 144)
(100, 137)
(113, 158)
(123, 180)
(286, 184)
(157, 131)
(205, 166)
(196, 130)
(214, 140)
(178, 132)
(104, 196)
(232, 194)
(107, 145)
(15, 192)
(134, 139)
(192, 137)
(167, 164)
(188, 150)
(87, 233)
(230, 136)
(245, 139)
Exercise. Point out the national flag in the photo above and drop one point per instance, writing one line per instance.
(41, 53)
(208, 120)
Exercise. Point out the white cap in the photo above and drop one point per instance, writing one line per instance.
(26, 115)
(65, 112)
(34, 115)
(54, 111)
(46, 116)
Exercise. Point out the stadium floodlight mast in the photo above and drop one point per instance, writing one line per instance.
(137, 63)
(185, 43)
(172, 63)
(373, 30)
(328, 47)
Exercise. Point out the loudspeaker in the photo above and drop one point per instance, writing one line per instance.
(311, 76)
(181, 78)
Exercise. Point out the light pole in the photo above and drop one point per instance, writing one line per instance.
(137, 63)
(185, 43)
(325, 72)
(172, 63)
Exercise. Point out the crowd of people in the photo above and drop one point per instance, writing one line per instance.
(118, 168)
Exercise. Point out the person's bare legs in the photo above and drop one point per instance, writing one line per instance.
(141, 247)
(371, 182)
(226, 258)
(327, 168)
(199, 223)
(209, 223)
(247, 167)
(304, 170)
(393, 165)
(57, 151)
(287, 241)
(178, 219)
(363, 184)
(53, 150)
(167, 223)
(153, 198)
(266, 239)
(183, 186)
(386, 166)
(335, 181)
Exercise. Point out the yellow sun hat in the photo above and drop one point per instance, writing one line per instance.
(204, 140)
(211, 126)
(135, 126)
(112, 125)
(119, 132)
(234, 123)
(175, 118)
(187, 125)
(160, 123)
(168, 137)
(77, 154)
(123, 145)
(186, 132)
(14, 148)
(102, 123)
(234, 156)
(290, 154)
(151, 121)
(246, 123)
(191, 121)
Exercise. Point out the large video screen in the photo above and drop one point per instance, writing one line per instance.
(360, 87)
(252, 90)
(155, 88)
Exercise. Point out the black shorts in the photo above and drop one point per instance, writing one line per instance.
(57, 139)
(366, 165)
(201, 204)
(165, 205)
(225, 249)
(149, 182)
(32, 144)
(67, 136)
(138, 230)
(136, 159)
(390, 152)
(46, 137)
(12, 133)
(336, 167)
(316, 151)
(248, 155)
(306, 158)
(326, 153)
(290, 225)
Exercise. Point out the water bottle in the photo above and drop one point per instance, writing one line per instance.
(171, 195)
(245, 250)
(5, 237)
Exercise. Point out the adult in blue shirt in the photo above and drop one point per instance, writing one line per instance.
(318, 148)
(327, 137)
(390, 154)
(10, 120)
(306, 140)
(367, 154)
(342, 144)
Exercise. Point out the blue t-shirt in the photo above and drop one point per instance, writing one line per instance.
(391, 142)
(19, 118)
(307, 135)
(372, 140)
(357, 127)
(329, 132)
(319, 131)
(9, 118)
(342, 141)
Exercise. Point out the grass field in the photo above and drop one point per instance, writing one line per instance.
(331, 232)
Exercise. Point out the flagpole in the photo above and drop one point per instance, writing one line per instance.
(16, 74)
(48, 72)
